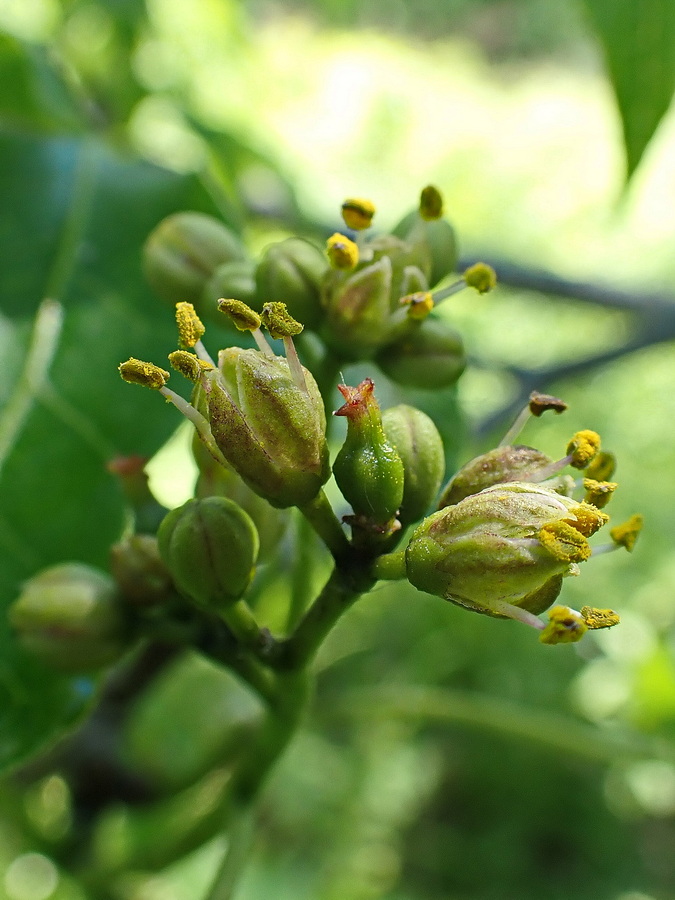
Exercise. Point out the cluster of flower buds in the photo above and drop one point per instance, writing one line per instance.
(366, 297)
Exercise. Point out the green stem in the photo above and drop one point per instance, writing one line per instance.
(319, 513)
(232, 867)
(242, 623)
(301, 576)
(343, 588)
(389, 566)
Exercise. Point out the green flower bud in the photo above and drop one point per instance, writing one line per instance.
(509, 544)
(210, 547)
(234, 279)
(436, 238)
(357, 309)
(292, 272)
(138, 569)
(183, 251)
(368, 470)
(512, 463)
(418, 443)
(70, 617)
(269, 428)
(429, 355)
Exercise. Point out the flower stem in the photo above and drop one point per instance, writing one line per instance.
(389, 566)
(319, 513)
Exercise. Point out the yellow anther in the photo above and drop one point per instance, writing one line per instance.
(540, 403)
(626, 534)
(419, 304)
(481, 277)
(278, 321)
(342, 253)
(587, 519)
(582, 448)
(599, 618)
(189, 365)
(603, 467)
(244, 318)
(431, 203)
(135, 371)
(190, 327)
(564, 542)
(358, 213)
(565, 626)
(599, 493)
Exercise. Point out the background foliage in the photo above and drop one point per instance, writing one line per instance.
(446, 755)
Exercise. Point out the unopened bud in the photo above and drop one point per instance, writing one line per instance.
(183, 252)
(418, 443)
(137, 567)
(70, 617)
(430, 355)
(210, 548)
(292, 272)
(357, 310)
(231, 279)
(510, 463)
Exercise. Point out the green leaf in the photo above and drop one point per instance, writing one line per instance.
(34, 94)
(73, 222)
(638, 37)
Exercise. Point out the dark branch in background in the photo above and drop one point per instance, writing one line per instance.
(652, 315)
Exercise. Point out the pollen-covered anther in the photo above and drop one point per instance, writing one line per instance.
(599, 618)
(565, 626)
(602, 467)
(189, 365)
(136, 371)
(190, 326)
(419, 304)
(358, 213)
(342, 253)
(243, 317)
(626, 534)
(583, 448)
(564, 542)
(278, 321)
(480, 276)
(587, 519)
(541, 403)
(431, 203)
(599, 493)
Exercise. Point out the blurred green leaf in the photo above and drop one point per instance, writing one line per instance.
(80, 215)
(638, 37)
(34, 94)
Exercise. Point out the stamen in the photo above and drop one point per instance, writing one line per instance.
(281, 324)
(419, 304)
(518, 614)
(189, 365)
(358, 213)
(564, 542)
(246, 319)
(599, 493)
(481, 276)
(431, 203)
(190, 326)
(565, 626)
(625, 535)
(198, 420)
(587, 519)
(602, 467)
(342, 253)
(599, 618)
(541, 403)
(583, 447)
(136, 371)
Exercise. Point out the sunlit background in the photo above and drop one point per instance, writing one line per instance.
(506, 107)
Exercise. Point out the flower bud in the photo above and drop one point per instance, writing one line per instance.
(367, 469)
(231, 279)
(210, 547)
(509, 544)
(418, 443)
(271, 430)
(292, 272)
(511, 463)
(70, 617)
(183, 251)
(430, 355)
(137, 567)
(436, 239)
(357, 309)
